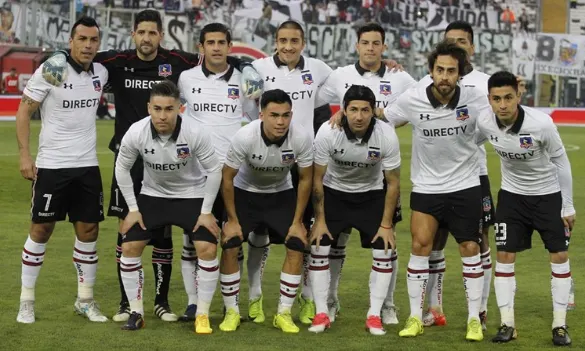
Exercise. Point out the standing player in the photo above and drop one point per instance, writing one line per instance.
(536, 194)
(350, 164)
(257, 191)
(445, 175)
(66, 177)
(134, 72)
(387, 85)
(174, 192)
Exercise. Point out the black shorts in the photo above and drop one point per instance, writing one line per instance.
(460, 212)
(76, 192)
(517, 216)
(487, 202)
(218, 209)
(158, 212)
(118, 207)
(362, 211)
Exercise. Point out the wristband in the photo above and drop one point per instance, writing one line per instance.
(381, 226)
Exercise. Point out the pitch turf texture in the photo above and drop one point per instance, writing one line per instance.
(58, 328)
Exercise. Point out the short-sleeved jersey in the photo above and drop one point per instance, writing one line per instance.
(525, 151)
(444, 149)
(68, 132)
(264, 165)
(473, 79)
(356, 164)
(386, 84)
(301, 84)
(172, 165)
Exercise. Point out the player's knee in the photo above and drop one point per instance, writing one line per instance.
(559, 257)
(133, 248)
(325, 241)
(233, 243)
(41, 232)
(421, 247)
(468, 248)
(205, 250)
(506, 257)
(295, 244)
(86, 232)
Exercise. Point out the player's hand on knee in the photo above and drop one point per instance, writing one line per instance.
(208, 221)
(569, 222)
(55, 68)
(318, 231)
(252, 83)
(231, 229)
(297, 230)
(393, 65)
(28, 168)
(335, 120)
(131, 219)
(387, 235)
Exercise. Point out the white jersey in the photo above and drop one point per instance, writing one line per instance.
(525, 150)
(68, 133)
(444, 149)
(473, 79)
(215, 102)
(386, 84)
(356, 165)
(264, 166)
(301, 84)
(172, 164)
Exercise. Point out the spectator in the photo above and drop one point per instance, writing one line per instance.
(10, 83)
(508, 18)
(523, 20)
(332, 12)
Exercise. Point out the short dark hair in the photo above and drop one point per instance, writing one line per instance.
(290, 24)
(371, 27)
(503, 79)
(359, 92)
(461, 25)
(276, 96)
(449, 48)
(87, 22)
(214, 28)
(148, 16)
(165, 88)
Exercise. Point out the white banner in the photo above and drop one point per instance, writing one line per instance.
(560, 54)
(523, 53)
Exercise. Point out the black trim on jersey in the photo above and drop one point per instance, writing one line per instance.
(227, 76)
(517, 124)
(278, 63)
(380, 72)
(351, 136)
(176, 131)
(436, 103)
(78, 68)
(269, 142)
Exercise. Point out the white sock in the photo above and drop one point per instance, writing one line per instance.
(230, 289)
(289, 285)
(560, 288)
(33, 256)
(389, 300)
(133, 279)
(380, 277)
(417, 275)
(486, 262)
(85, 261)
(207, 278)
(320, 275)
(307, 292)
(189, 269)
(258, 250)
(336, 261)
(434, 289)
(473, 284)
(505, 286)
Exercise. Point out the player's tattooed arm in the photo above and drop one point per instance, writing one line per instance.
(392, 193)
(318, 193)
(25, 111)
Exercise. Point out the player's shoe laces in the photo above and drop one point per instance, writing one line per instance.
(231, 321)
(284, 322)
(389, 315)
(433, 317)
(26, 313)
(374, 325)
(90, 310)
(320, 323)
(474, 331)
(333, 308)
(505, 334)
(255, 311)
(412, 328)
(189, 314)
(483, 319)
(163, 311)
(561, 336)
(202, 325)
(135, 322)
(123, 313)
(307, 312)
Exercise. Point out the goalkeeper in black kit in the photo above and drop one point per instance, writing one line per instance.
(133, 73)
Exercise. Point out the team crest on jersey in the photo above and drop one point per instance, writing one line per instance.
(183, 151)
(233, 93)
(287, 157)
(526, 141)
(487, 204)
(165, 70)
(374, 153)
(385, 89)
(97, 86)
(307, 78)
(462, 114)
